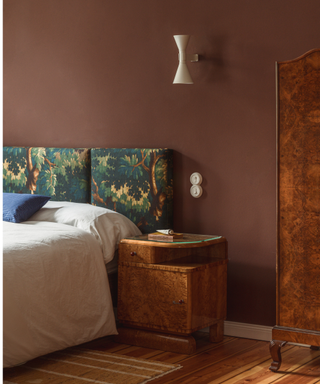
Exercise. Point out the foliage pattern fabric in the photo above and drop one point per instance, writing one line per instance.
(62, 173)
(136, 182)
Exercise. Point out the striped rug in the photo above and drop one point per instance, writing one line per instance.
(80, 366)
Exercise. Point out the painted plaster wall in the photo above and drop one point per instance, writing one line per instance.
(98, 73)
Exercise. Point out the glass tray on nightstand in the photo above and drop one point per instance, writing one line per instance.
(187, 238)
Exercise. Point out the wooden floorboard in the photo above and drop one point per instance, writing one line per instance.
(232, 361)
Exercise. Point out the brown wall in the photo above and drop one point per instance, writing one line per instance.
(98, 73)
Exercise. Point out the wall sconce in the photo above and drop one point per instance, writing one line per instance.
(182, 74)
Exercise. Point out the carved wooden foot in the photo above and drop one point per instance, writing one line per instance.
(275, 350)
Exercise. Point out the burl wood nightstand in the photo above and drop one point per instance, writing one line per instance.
(168, 290)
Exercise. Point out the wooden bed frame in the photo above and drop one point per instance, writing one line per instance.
(136, 182)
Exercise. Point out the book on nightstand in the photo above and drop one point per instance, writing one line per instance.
(164, 237)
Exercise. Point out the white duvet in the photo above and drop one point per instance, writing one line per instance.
(55, 288)
(107, 226)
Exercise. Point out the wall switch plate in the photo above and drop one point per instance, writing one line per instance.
(196, 191)
(196, 178)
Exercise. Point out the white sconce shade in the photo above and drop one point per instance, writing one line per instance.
(182, 75)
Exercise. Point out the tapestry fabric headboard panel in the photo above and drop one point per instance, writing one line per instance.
(62, 173)
(136, 182)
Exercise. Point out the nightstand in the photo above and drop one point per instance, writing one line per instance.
(168, 290)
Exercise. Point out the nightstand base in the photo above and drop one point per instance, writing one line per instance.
(184, 344)
(156, 340)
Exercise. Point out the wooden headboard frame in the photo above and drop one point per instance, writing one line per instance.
(136, 182)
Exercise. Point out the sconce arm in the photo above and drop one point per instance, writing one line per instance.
(188, 57)
(193, 58)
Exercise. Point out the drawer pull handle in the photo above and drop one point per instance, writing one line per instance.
(179, 302)
(133, 253)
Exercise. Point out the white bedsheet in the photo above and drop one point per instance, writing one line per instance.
(55, 290)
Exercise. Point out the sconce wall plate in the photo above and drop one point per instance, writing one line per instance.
(182, 75)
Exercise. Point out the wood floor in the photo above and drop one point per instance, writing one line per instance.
(232, 361)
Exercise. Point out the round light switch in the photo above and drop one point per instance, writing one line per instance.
(196, 191)
(196, 178)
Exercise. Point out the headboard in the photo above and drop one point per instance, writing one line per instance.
(136, 182)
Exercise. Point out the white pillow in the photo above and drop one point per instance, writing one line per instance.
(108, 226)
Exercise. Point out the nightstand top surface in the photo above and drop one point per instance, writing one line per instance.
(188, 239)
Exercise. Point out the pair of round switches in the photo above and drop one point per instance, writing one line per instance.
(196, 180)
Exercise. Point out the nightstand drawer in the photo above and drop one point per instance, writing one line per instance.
(153, 299)
(155, 252)
(179, 297)
(136, 253)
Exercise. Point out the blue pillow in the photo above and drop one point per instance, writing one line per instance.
(19, 207)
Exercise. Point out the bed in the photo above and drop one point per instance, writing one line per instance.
(58, 262)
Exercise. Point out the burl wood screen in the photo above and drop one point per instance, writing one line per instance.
(298, 200)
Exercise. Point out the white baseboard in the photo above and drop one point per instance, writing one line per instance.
(247, 331)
